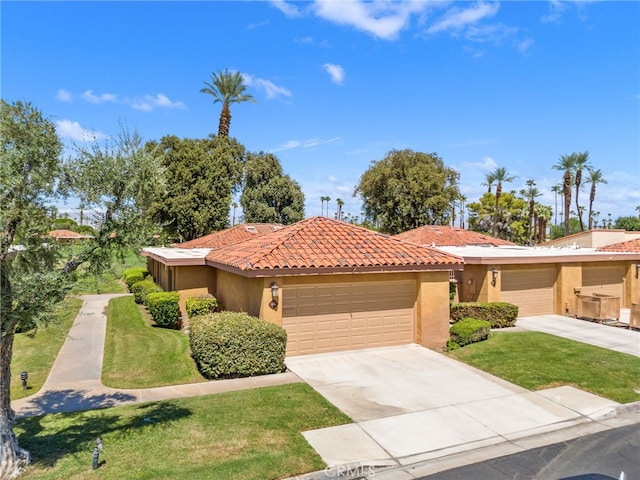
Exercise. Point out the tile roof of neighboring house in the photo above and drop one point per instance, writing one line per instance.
(67, 234)
(320, 243)
(230, 236)
(440, 235)
(632, 246)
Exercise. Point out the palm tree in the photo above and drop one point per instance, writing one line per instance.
(499, 176)
(327, 199)
(581, 160)
(566, 164)
(595, 177)
(556, 189)
(531, 193)
(489, 180)
(340, 204)
(463, 201)
(227, 88)
(233, 221)
(323, 199)
(543, 214)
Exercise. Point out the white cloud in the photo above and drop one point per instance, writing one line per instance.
(312, 142)
(89, 96)
(270, 89)
(63, 95)
(149, 102)
(458, 19)
(556, 9)
(525, 45)
(381, 19)
(287, 8)
(251, 26)
(336, 72)
(74, 131)
(486, 164)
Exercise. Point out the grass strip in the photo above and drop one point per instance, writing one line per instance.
(536, 361)
(35, 351)
(138, 355)
(246, 435)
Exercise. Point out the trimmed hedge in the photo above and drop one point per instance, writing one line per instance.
(230, 344)
(164, 307)
(500, 314)
(201, 305)
(468, 330)
(133, 275)
(142, 288)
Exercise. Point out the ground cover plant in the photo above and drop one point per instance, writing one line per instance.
(139, 355)
(537, 361)
(36, 350)
(246, 435)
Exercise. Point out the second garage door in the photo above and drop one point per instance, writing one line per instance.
(332, 317)
(531, 290)
(603, 279)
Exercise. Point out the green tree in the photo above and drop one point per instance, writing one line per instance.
(500, 176)
(203, 175)
(268, 195)
(34, 278)
(580, 162)
(407, 189)
(566, 164)
(64, 223)
(630, 223)
(595, 177)
(511, 223)
(226, 87)
(531, 193)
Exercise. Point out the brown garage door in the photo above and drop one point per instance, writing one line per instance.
(531, 290)
(607, 280)
(326, 318)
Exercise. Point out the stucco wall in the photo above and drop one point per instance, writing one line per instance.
(432, 312)
(239, 294)
(195, 276)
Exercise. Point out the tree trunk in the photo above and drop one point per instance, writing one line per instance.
(566, 190)
(578, 182)
(225, 121)
(12, 457)
(592, 197)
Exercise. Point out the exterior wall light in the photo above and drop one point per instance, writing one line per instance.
(494, 276)
(274, 295)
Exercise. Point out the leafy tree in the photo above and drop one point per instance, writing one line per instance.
(203, 175)
(631, 224)
(226, 87)
(595, 177)
(511, 223)
(408, 189)
(64, 223)
(33, 279)
(269, 196)
(566, 164)
(558, 231)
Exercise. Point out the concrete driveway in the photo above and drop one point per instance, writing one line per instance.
(411, 404)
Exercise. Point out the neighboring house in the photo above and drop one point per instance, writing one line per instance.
(331, 285)
(442, 235)
(68, 236)
(539, 280)
(593, 238)
(229, 236)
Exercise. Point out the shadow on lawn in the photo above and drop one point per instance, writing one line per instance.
(52, 437)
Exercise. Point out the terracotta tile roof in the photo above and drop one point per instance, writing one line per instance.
(630, 246)
(67, 234)
(323, 243)
(440, 235)
(230, 236)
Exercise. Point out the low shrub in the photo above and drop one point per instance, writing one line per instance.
(142, 288)
(500, 314)
(230, 344)
(133, 275)
(201, 305)
(468, 330)
(164, 307)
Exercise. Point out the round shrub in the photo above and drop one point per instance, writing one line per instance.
(164, 307)
(469, 330)
(142, 288)
(500, 314)
(133, 275)
(201, 305)
(231, 344)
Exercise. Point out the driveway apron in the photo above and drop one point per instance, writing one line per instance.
(410, 404)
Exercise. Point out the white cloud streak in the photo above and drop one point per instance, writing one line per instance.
(90, 97)
(336, 72)
(64, 96)
(270, 89)
(74, 131)
(287, 8)
(487, 164)
(310, 143)
(458, 19)
(160, 100)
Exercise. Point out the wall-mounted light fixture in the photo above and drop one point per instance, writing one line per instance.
(494, 276)
(637, 269)
(274, 295)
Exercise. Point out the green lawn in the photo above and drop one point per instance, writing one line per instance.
(138, 355)
(251, 434)
(35, 352)
(536, 361)
(108, 282)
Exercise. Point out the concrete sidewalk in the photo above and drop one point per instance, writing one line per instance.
(74, 383)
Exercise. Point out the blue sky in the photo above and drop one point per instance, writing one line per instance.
(339, 84)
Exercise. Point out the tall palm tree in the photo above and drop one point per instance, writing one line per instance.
(327, 199)
(322, 200)
(595, 177)
(463, 201)
(226, 87)
(556, 189)
(233, 221)
(340, 204)
(499, 176)
(531, 192)
(581, 160)
(489, 180)
(543, 214)
(566, 164)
